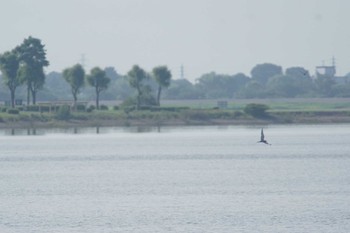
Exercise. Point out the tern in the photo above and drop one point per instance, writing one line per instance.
(262, 138)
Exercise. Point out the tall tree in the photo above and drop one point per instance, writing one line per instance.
(162, 75)
(75, 78)
(298, 72)
(261, 73)
(99, 80)
(9, 65)
(136, 76)
(33, 56)
(35, 79)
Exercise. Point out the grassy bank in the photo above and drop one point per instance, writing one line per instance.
(279, 112)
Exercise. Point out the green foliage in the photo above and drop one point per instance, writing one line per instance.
(162, 75)
(289, 86)
(33, 56)
(44, 108)
(128, 105)
(99, 80)
(26, 63)
(91, 108)
(32, 108)
(181, 89)
(261, 73)
(214, 85)
(12, 111)
(81, 107)
(324, 85)
(256, 110)
(253, 89)
(9, 65)
(75, 78)
(104, 107)
(136, 77)
(63, 113)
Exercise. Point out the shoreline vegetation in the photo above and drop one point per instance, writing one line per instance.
(181, 113)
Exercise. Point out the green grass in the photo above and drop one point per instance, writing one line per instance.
(314, 104)
(194, 111)
(309, 107)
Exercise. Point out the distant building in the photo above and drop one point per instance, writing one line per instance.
(326, 70)
(330, 71)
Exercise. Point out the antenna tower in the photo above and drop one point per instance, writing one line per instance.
(182, 73)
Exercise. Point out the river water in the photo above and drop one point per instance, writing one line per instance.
(181, 179)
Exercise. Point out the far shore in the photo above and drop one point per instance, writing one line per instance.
(186, 113)
(329, 117)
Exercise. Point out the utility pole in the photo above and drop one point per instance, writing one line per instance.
(182, 73)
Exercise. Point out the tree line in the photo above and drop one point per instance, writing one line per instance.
(25, 65)
(23, 74)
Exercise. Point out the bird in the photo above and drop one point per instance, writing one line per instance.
(304, 72)
(262, 138)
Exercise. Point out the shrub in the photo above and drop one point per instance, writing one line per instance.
(63, 113)
(12, 111)
(81, 107)
(198, 115)
(32, 108)
(256, 110)
(128, 105)
(91, 108)
(115, 108)
(44, 108)
(103, 107)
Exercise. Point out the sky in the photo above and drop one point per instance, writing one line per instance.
(224, 36)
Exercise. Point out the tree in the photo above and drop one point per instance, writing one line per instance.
(112, 73)
(211, 86)
(33, 57)
(136, 77)
(261, 73)
(162, 75)
(181, 89)
(99, 80)
(324, 85)
(75, 78)
(289, 86)
(298, 72)
(253, 89)
(238, 83)
(9, 65)
(35, 79)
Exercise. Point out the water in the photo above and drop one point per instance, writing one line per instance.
(184, 179)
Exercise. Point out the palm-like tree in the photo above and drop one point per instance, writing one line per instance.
(75, 78)
(162, 75)
(99, 80)
(136, 77)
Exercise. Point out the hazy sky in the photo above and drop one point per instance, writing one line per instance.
(225, 36)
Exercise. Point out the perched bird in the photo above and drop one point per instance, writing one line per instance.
(262, 138)
(304, 72)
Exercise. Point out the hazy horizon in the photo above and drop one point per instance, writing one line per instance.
(202, 35)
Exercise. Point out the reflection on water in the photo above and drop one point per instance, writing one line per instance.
(78, 130)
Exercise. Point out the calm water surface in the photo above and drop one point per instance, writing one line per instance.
(185, 179)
